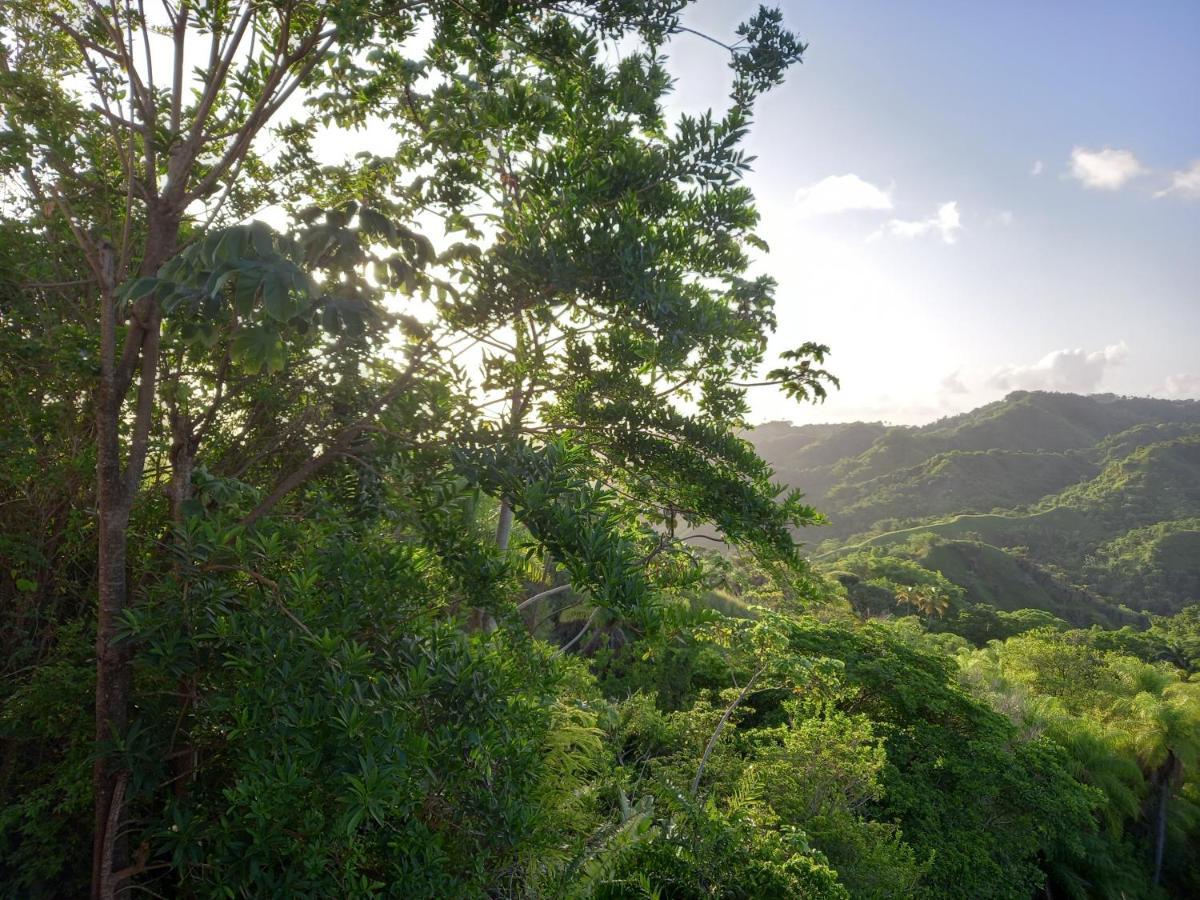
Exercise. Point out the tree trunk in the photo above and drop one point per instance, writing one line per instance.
(116, 489)
(1160, 837)
(712, 741)
(1166, 781)
(504, 525)
(112, 685)
(479, 618)
(183, 459)
(515, 415)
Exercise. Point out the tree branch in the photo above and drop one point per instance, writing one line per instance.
(571, 643)
(542, 596)
(712, 741)
(336, 447)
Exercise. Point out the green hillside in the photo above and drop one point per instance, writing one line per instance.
(1081, 506)
(1161, 562)
(958, 481)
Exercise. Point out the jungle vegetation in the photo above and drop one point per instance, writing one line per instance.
(348, 501)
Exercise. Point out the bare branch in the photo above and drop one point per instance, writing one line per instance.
(268, 103)
(542, 596)
(712, 741)
(266, 582)
(571, 643)
(179, 36)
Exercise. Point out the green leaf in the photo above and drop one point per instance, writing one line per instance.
(257, 348)
(245, 291)
(202, 334)
(261, 237)
(277, 298)
(219, 278)
(140, 288)
(231, 246)
(206, 334)
(376, 224)
(329, 319)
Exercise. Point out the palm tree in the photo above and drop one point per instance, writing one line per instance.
(925, 598)
(1164, 731)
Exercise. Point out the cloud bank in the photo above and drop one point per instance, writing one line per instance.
(840, 193)
(1105, 170)
(1076, 371)
(1183, 385)
(1184, 183)
(946, 222)
(953, 383)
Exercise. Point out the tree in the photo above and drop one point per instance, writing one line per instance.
(925, 599)
(612, 284)
(133, 173)
(1129, 730)
(144, 176)
(1164, 727)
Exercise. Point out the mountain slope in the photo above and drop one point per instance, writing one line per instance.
(1099, 493)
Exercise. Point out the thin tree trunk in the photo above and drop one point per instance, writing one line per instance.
(543, 595)
(112, 690)
(582, 631)
(504, 525)
(183, 459)
(112, 682)
(116, 488)
(480, 618)
(1167, 779)
(515, 415)
(1161, 829)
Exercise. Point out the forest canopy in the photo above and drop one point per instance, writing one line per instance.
(349, 501)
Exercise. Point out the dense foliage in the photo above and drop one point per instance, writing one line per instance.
(353, 555)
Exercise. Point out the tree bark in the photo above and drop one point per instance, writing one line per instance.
(1167, 773)
(116, 488)
(183, 458)
(1160, 837)
(505, 523)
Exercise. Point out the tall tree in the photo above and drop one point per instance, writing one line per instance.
(140, 131)
(139, 159)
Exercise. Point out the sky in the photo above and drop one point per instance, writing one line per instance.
(964, 199)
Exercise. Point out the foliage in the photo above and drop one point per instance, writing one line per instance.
(1075, 505)
(367, 535)
(1130, 729)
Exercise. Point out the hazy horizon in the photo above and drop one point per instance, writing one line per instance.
(919, 424)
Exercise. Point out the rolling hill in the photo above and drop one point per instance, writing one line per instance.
(1087, 507)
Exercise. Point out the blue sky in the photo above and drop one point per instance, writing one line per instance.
(965, 198)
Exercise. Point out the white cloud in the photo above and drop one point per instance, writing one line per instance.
(953, 383)
(946, 222)
(1005, 217)
(1105, 169)
(1037, 168)
(1061, 370)
(1184, 384)
(1185, 182)
(841, 193)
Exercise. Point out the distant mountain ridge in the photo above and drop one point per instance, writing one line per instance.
(1082, 487)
